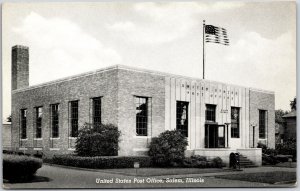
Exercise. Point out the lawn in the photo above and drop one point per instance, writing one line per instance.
(263, 177)
(164, 171)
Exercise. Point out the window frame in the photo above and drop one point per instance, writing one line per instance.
(262, 127)
(23, 125)
(235, 134)
(54, 134)
(183, 128)
(141, 122)
(74, 118)
(212, 111)
(38, 122)
(96, 118)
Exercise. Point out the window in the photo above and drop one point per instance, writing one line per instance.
(97, 110)
(210, 113)
(74, 118)
(23, 123)
(235, 122)
(262, 124)
(54, 120)
(182, 120)
(141, 105)
(38, 122)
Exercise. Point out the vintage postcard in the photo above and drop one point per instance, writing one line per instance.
(197, 94)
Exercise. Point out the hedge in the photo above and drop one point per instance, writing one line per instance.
(198, 161)
(101, 162)
(20, 168)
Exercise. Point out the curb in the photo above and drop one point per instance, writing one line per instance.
(207, 174)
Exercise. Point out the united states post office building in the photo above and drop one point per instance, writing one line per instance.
(216, 118)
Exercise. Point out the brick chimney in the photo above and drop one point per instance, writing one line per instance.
(20, 67)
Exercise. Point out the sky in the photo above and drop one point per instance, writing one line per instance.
(71, 38)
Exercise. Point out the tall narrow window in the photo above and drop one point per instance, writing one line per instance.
(235, 122)
(74, 118)
(182, 120)
(210, 113)
(141, 104)
(23, 123)
(262, 124)
(38, 122)
(96, 110)
(54, 121)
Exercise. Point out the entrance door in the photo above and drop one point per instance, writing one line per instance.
(214, 136)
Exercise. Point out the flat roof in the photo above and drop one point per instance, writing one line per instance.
(123, 67)
(291, 114)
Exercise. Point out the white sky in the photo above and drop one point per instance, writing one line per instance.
(67, 39)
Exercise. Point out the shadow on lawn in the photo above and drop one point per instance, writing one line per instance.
(275, 177)
(33, 179)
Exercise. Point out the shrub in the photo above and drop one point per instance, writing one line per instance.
(266, 150)
(217, 162)
(101, 162)
(197, 161)
(98, 140)
(289, 147)
(269, 159)
(168, 149)
(20, 168)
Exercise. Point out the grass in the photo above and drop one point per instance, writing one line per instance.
(163, 171)
(263, 177)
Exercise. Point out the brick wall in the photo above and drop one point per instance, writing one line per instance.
(131, 84)
(20, 67)
(260, 100)
(6, 135)
(83, 89)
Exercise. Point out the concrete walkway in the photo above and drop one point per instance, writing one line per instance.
(79, 178)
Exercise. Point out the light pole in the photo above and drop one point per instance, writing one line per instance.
(253, 125)
(227, 124)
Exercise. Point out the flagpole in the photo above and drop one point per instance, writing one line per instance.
(203, 49)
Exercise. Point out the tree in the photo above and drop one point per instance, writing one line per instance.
(293, 104)
(278, 115)
(98, 140)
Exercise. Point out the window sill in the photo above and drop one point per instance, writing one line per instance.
(24, 139)
(37, 149)
(23, 148)
(38, 139)
(71, 149)
(53, 138)
(140, 149)
(73, 137)
(54, 149)
(142, 137)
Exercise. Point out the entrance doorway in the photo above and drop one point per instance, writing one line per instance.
(214, 136)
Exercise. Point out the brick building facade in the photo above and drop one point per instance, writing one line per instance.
(216, 118)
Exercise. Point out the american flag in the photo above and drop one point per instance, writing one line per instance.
(216, 35)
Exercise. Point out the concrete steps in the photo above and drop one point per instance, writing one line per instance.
(246, 163)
